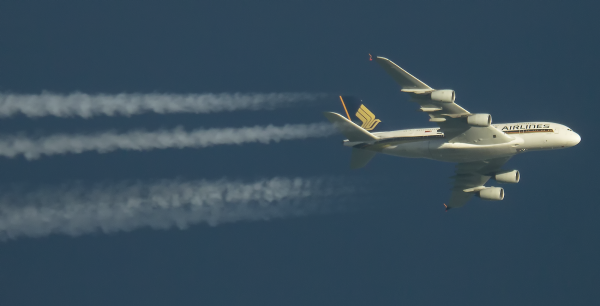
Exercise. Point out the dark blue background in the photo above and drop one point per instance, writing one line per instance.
(518, 60)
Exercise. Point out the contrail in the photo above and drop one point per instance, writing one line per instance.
(77, 208)
(86, 105)
(32, 148)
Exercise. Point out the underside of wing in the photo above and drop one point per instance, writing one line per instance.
(470, 179)
(439, 104)
(457, 124)
(458, 198)
(458, 130)
(405, 79)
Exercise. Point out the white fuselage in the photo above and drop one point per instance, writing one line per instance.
(432, 144)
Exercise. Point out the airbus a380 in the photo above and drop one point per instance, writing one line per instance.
(479, 147)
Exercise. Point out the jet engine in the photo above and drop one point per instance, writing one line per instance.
(445, 95)
(492, 194)
(480, 120)
(508, 177)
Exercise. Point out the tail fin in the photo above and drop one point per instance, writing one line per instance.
(357, 111)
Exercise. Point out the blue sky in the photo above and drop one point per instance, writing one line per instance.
(390, 242)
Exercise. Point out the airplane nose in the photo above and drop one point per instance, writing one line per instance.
(574, 139)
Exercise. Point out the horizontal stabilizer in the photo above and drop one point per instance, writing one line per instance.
(352, 131)
(360, 158)
(405, 79)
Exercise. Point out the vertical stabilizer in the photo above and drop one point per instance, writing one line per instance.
(357, 112)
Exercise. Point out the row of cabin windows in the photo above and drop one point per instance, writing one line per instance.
(529, 131)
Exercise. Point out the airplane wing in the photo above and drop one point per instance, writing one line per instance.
(440, 106)
(471, 176)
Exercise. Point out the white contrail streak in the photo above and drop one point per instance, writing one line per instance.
(86, 105)
(32, 148)
(76, 208)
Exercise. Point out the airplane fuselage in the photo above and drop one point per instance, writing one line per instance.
(479, 147)
(430, 143)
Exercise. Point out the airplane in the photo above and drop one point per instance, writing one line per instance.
(479, 147)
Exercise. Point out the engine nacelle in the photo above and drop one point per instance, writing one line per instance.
(492, 194)
(445, 95)
(480, 120)
(508, 177)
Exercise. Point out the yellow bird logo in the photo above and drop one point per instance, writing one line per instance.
(367, 117)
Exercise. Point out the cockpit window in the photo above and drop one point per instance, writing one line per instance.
(569, 130)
